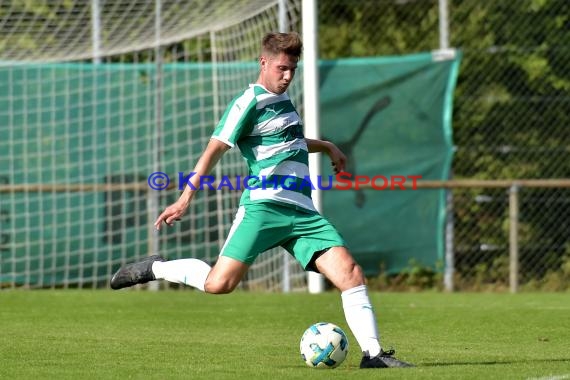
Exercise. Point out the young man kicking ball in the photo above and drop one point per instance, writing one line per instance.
(264, 124)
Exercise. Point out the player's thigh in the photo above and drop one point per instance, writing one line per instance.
(312, 234)
(338, 265)
(256, 229)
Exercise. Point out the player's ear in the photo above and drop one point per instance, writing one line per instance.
(263, 62)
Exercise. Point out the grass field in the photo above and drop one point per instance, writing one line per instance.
(190, 335)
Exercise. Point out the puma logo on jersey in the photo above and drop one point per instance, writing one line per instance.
(267, 109)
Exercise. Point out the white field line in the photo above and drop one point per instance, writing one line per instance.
(551, 377)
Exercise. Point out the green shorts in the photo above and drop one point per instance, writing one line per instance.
(261, 226)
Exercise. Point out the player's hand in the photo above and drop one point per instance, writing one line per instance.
(338, 159)
(171, 214)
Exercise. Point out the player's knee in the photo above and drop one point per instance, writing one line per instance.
(351, 269)
(219, 286)
(351, 273)
(355, 273)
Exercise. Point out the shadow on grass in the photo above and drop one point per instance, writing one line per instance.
(490, 362)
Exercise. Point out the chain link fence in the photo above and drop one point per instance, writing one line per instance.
(510, 121)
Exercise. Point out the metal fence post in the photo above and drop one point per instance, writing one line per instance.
(514, 237)
(449, 250)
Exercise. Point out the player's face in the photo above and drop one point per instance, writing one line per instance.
(277, 72)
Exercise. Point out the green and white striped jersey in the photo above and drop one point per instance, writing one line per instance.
(269, 133)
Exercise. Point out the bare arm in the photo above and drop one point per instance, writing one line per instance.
(338, 159)
(214, 151)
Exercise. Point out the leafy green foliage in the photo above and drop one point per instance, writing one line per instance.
(510, 117)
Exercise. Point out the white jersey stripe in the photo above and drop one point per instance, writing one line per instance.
(235, 115)
(262, 152)
(275, 124)
(239, 217)
(291, 168)
(263, 100)
(282, 195)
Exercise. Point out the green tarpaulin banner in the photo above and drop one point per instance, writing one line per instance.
(392, 117)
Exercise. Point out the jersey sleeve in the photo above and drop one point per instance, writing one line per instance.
(237, 119)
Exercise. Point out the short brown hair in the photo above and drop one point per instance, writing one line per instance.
(276, 43)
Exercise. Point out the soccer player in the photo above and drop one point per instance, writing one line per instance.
(264, 124)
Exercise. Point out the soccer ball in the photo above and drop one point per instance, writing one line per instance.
(324, 345)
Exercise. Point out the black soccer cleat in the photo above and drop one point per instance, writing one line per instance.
(135, 273)
(385, 359)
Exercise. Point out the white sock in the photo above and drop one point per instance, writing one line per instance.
(360, 318)
(191, 272)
